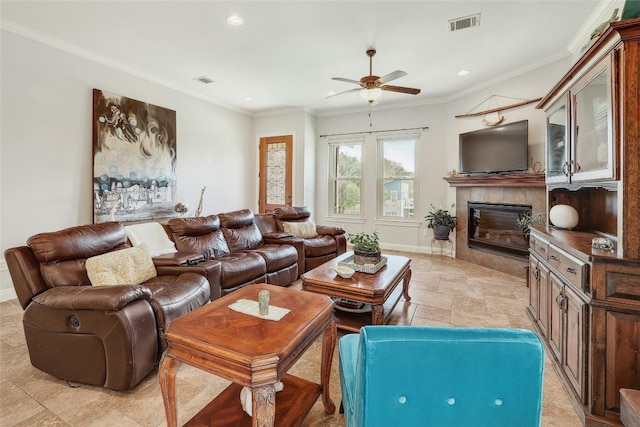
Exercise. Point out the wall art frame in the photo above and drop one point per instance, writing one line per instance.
(134, 159)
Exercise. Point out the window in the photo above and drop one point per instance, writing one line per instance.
(346, 176)
(397, 177)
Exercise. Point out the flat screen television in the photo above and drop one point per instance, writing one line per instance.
(497, 149)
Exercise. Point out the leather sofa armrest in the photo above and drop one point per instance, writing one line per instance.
(341, 242)
(103, 298)
(329, 230)
(210, 269)
(178, 258)
(276, 235)
(25, 274)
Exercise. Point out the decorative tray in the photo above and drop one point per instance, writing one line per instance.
(366, 268)
(351, 306)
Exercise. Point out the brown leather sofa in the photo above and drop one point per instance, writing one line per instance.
(234, 252)
(324, 243)
(102, 335)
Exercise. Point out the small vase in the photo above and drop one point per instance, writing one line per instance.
(363, 258)
(441, 232)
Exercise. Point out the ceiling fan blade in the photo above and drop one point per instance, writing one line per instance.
(391, 76)
(346, 91)
(340, 79)
(409, 90)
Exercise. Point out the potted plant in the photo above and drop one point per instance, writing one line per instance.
(441, 221)
(366, 248)
(526, 220)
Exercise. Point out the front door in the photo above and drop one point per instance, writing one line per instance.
(276, 154)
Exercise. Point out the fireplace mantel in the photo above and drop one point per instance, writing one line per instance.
(511, 180)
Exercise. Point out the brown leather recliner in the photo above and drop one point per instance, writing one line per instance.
(234, 251)
(110, 336)
(328, 243)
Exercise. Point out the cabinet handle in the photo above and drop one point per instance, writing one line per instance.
(559, 300)
(565, 169)
(553, 257)
(571, 270)
(564, 304)
(542, 249)
(577, 167)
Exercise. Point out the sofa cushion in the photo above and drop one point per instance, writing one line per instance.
(62, 254)
(131, 266)
(240, 230)
(194, 226)
(201, 235)
(153, 235)
(292, 213)
(303, 229)
(277, 257)
(239, 268)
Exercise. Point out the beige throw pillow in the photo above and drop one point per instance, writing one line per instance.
(304, 230)
(131, 266)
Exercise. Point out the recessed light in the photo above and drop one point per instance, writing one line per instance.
(248, 98)
(463, 72)
(331, 93)
(235, 20)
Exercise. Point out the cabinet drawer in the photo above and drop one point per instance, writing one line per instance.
(571, 268)
(539, 246)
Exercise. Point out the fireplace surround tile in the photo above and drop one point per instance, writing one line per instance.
(534, 196)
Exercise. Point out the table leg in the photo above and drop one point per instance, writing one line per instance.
(405, 285)
(167, 375)
(264, 405)
(328, 348)
(377, 314)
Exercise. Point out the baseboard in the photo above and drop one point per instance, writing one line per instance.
(430, 250)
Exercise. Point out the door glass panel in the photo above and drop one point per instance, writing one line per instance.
(276, 170)
(592, 125)
(557, 141)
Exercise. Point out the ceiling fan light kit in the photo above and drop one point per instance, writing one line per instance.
(371, 86)
(371, 95)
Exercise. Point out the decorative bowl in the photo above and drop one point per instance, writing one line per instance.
(563, 216)
(344, 272)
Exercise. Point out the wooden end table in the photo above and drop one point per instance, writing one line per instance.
(252, 352)
(380, 290)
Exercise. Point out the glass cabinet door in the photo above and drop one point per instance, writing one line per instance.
(557, 143)
(593, 143)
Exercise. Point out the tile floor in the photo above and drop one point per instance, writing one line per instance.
(444, 291)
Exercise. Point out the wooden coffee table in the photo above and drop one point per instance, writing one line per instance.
(252, 352)
(380, 290)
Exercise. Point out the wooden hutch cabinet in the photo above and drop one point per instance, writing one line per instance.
(585, 302)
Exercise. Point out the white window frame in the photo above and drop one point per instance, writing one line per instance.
(381, 178)
(334, 144)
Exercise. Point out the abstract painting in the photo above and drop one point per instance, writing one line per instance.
(134, 159)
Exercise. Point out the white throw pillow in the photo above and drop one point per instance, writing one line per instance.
(154, 235)
(131, 266)
(304, 230)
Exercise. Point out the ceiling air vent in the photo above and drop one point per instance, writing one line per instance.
(204, 79)
(466, 22)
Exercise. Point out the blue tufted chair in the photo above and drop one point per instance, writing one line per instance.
(432, 376)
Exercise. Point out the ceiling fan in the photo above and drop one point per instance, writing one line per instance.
(374, 85)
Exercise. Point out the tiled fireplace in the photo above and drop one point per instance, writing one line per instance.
(501, 199)
(493, 227)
